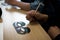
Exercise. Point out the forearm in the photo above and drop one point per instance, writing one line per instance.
(41, 16)
(23, 5)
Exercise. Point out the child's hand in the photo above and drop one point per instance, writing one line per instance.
(30, 18)
(30, 15)
(39, 16)
(12, 2)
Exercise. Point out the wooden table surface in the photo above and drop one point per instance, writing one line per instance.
(13, 15)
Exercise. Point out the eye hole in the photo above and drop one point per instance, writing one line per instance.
(19, 25)
(22, 30)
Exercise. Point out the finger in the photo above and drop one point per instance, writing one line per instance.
(28, 17)
(31, 13)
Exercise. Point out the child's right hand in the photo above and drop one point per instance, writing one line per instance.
(30, 15)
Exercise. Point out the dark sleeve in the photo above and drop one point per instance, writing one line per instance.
(35, 4)
(57, 37)
(50, 10)
(53, 10)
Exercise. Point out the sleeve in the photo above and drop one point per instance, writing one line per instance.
(34, 5)
(50, 10)
(54, 11)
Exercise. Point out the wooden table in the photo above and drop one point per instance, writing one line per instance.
(12, 15)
